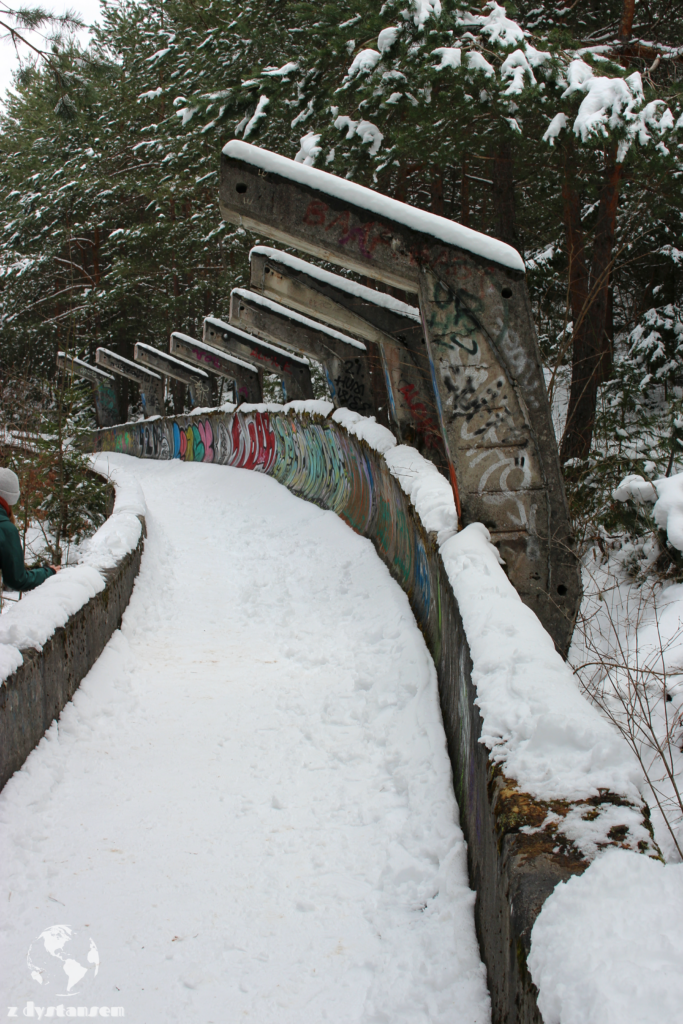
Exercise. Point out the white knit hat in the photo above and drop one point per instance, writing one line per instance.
(9, 486)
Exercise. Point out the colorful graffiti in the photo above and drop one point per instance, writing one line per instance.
(318, 460)
(315, 459)
(244, 440)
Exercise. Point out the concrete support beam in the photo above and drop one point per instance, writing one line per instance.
(197, 380)
(374, 317)
(484, 359)
(80, 368)
(151, 385)
(104, 393)
(354, 373)
(294, 373)
(247, 379)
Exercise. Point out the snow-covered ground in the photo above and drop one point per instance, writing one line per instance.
(248, 805)
(627, 652)
(607, 947)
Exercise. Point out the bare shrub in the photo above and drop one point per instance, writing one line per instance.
(628, 658)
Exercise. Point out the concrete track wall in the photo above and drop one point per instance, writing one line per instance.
(317, 459)
(512, 871)
(33, 696)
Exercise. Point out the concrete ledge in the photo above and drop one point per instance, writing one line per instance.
(33, 696)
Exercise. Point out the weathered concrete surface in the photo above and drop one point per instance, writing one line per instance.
(399, 338)
(104, 392)
(294, 373)
(354, 372)
(484, 362)
(512, 872)
(197, 381)
(151, 385)
(248, 380)
(33, 697)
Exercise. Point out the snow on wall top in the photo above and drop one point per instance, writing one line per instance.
(536, 723)
(214, 351)
(33, 620)
(366, 429)
(251, 339)
(343, 283)
(382, 206)
(172, 359)
(293, 315)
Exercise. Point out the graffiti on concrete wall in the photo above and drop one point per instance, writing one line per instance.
(245, 440)
(315, 459)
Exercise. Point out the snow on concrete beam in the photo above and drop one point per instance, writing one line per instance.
(361, 291)
(354, 370)
(392, 325)
(83, 369)
(294, 373)
(438, 228)
(104, 394)
(168, 365)
(124, 367)
(287, 313)
(247, 378)
(221, 326)
(151, 384)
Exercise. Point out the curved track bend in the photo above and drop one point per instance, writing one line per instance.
(248, 805)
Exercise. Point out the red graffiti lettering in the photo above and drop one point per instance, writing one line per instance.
(206, 357)
(361, 233)
(266, 440)
(267, 361)
(343, 219)
(315, 212)
(253, 442)
(424, 422)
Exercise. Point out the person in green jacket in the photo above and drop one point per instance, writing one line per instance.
(15, 575)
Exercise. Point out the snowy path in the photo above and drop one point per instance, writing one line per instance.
(248, 805)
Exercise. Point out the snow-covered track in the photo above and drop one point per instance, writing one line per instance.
(541, 779)
(248, 804)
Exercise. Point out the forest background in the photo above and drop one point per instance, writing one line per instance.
(555, 126)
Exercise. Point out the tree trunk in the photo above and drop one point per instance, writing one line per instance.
(589, 341)
(576, 249)
(626, 26)
(96, 256)
(176, 281)
(504, 194)
(464, 195)
(437, 190)
(401, 190)
(608, 338)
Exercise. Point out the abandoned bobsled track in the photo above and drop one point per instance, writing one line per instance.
(254, 784)
(146, 759)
